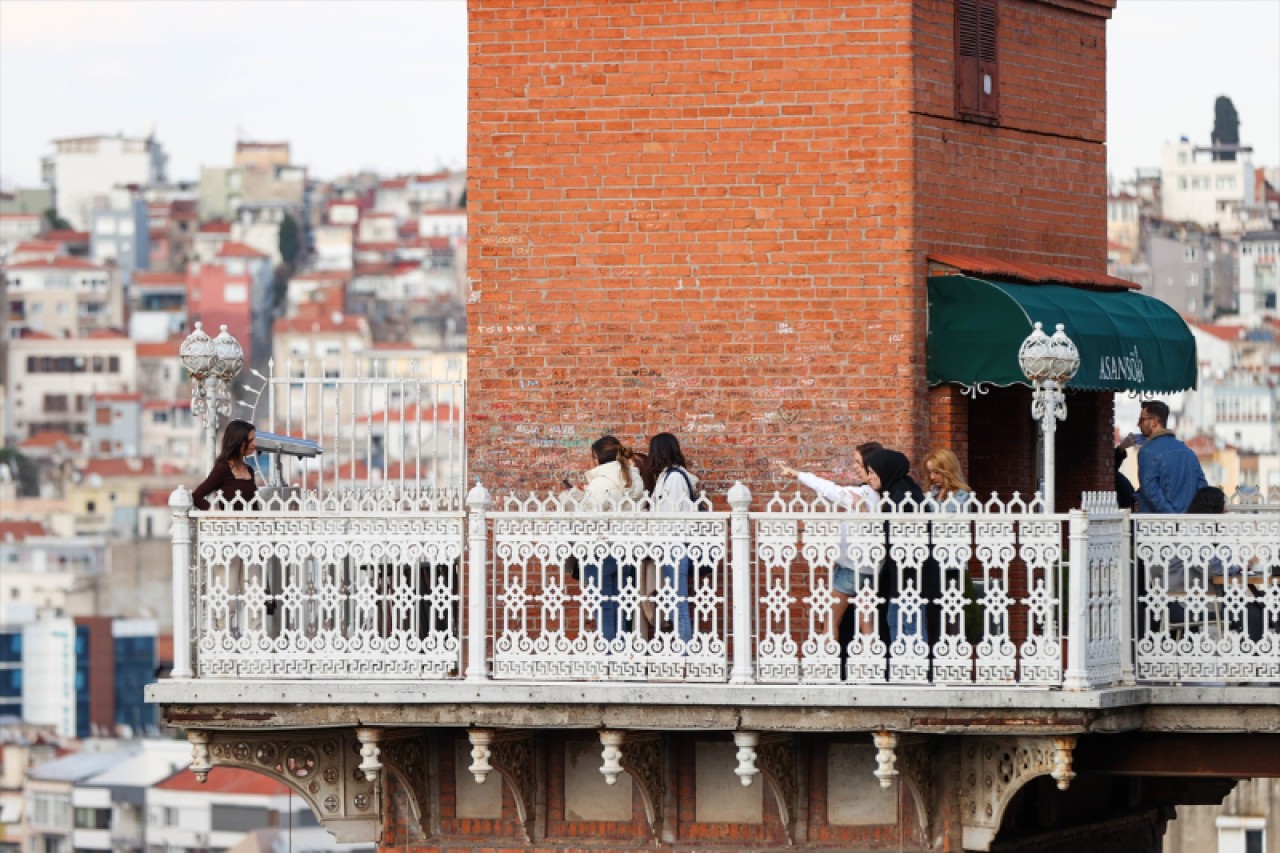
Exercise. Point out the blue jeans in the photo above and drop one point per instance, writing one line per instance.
(910, 627)
(607, 581)
(684, 625)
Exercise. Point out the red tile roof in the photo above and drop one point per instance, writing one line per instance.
(155, 497)
(118, 397)
(33, 335)
(165, 405)
(231, 249)
(442, 413)
(51, 438)
(105, 334)
(376, 247)
(65, 235)
(1223, 333)
(444, 211)
(215, 228)
(160, 349)
(37, 246)
(120, 467)
(393, 184)
(58, 263)
(323, 325)
(1029, 272)
(225, 780)
(159, 279)
(14, 217)
(17, 531)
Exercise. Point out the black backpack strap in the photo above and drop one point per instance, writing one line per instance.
(688, 482)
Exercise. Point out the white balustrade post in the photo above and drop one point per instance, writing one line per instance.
(1049, 426)
(1077, 677)
(1127, 592)
(180, 532)
(740, 537)
(478, 500)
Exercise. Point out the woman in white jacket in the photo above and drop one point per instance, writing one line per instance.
(674, 490)
(860, 497)
(614, 479)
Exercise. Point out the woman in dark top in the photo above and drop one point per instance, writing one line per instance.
(231, 475)
(887, 472)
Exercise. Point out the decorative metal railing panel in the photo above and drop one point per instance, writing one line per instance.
(1209, 607)
(935, 593)
(329, 587)
(394, 427)
(1104, 590)
(648, 601)
(371, 583)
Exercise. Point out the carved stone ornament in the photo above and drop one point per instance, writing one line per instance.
(776, 758)
(886, 759)
(511, 753)
(406, 756)
(915, 764)
(642, 755)
(322, 767)
(993, 769)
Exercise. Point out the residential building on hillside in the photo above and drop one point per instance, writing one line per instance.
(52, 817)
(1213, 193)
(120, 231)
(63, 297)
(42, 568)
(87, 168)
(49, 681)
(26, 200)
(37, 250)
(442, 223)
(257, 225)
(18, 228)
(231, 290)
(186, 814)
(157, 306)
(209, 240)
(334, 247)
(115, 425)
(105, 492)
(110, 806)
(171, 435)
(50, 380)
(161, 376)
(1259, 283)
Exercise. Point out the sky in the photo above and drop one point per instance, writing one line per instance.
(383, 84)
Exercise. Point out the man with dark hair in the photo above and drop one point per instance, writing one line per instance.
(1169, 474)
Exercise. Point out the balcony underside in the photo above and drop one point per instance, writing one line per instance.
(213, 704)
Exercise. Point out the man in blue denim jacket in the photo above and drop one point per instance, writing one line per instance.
(1169, 474)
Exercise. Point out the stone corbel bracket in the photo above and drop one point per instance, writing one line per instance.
(511, 753)
(643, 755)
(915, 760)
(407, 757)
(323, 768)
(776, 758)
(993, 769)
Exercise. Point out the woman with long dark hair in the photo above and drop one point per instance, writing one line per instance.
(231, 476)
(674, 490)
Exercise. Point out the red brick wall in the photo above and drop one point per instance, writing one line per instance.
(690, 216)
(712, 218)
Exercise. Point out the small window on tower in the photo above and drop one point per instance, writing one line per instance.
(977, 60)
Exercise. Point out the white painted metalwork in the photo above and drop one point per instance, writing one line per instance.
(619, 619)
(327, 586)
(398, 430)
(1049, 363)
(1210, 607)
(212, 364)
(1099, 579)
(1005, 550)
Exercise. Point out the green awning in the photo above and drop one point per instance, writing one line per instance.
(1127, 341)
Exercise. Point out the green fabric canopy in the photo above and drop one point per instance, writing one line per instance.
(1127, 341)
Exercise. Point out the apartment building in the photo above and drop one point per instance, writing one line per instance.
(51, 380)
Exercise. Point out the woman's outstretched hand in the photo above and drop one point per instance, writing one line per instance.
(785, 469)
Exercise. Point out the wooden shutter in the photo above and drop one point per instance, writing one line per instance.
(977, 58)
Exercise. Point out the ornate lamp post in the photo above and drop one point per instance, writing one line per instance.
(212, 364)
(1048, 363)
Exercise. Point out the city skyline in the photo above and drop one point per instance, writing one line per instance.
(400, 70)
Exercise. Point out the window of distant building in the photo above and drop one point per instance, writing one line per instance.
(102, 417)
(977, 60)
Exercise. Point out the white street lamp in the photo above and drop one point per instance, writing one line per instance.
(1049, 363)
(212, 365)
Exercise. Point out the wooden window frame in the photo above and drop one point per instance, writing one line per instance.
(977, 41)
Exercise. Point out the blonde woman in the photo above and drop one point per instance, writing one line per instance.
(946, 483)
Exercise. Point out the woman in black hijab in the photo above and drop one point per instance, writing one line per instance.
(887, 472)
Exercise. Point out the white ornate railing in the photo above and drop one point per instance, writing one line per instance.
(327, 586)
(1209, 608)
(995, 568)
(391, 584)
(643, 598)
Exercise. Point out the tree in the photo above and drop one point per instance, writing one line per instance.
(23, 470)
(288, 240)
(1226, 127)
(56, 222)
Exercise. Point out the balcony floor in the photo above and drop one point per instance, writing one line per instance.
(205, 703)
